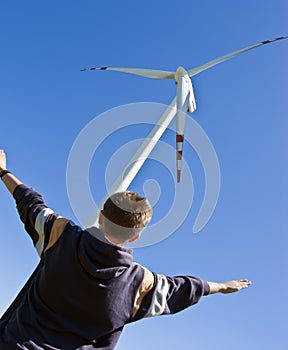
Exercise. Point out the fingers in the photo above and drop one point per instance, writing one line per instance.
(246, 282)
(2, 154)
(241, 284)
(2, 159)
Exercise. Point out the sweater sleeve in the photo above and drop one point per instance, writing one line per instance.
(170, 295)
(38, 219)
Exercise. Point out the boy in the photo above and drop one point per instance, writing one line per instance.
(86, 286)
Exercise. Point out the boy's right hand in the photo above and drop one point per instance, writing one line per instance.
(234, 286)
(228, 287)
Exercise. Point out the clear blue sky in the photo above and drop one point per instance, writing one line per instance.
(242, 107)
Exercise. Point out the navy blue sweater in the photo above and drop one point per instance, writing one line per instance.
(84, 289)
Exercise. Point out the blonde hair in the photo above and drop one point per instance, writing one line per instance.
(126, 214)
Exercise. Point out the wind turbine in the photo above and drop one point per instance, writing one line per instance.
(185, 99)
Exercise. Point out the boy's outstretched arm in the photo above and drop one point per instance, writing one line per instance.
(9, 180)
(162, 295)
(42, 224)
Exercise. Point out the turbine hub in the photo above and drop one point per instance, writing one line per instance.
(180, 72)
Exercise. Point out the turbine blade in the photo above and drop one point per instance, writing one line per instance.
(179, 151)
(210, 64)
(148, 73)
(182, 100)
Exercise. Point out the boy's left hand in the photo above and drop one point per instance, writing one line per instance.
(2, 160)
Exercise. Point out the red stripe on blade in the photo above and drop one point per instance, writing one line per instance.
(179, 155)
(179, 138)
(178, 175)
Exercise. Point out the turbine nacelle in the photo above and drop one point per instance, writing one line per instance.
(185, 102)
(182, 75)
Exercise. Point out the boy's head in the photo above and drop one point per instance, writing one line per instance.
(124, 216)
